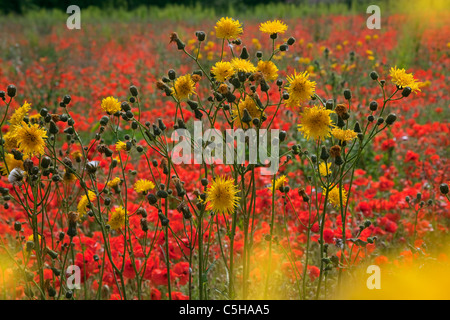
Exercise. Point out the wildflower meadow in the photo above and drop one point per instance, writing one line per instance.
(281, 152)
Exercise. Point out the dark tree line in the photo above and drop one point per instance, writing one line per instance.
(21, 6)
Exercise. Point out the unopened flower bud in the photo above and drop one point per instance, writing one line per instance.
(244, 53)
(324, 155)
(406, 92)
(284, 47)
(347, 94)
(201, 35)
(11, 90)
(133, 91)
(391, 119)
(443, 188)
(374, 75)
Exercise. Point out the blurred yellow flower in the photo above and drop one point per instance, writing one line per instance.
(221, 195)
(121, 146)
(84, 201)
(315, 122)
(184, 87)
(272, 27)
(117, 219)
(143, 186)
(280, 182)
(335, 198)
(324, 169)
(19, 114)
(402, 79)
(248, 104)
(242, 65)
(344, 135)
(268, 69)
(30, 138)
(110, 105)
(222, 70)
(300, 87)
(228, 28)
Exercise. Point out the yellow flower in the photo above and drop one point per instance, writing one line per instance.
(76, 154)
(10, 140)
(344, 135)
(111, 105)
(19, 114)
(300, 88)
(114, 182)
(280, 182)
(252, 108)
(183, 88)
(334, 197)
(30, 138)
(256, 43)
(221, 195)
(34, 118)
(324, 169)
(271, 27)
(121, 146)
(117, 219)
(402, 79)
(69, 177)
(242, 65)
(222, 70)
(84, 201)
(228, 28)
(143, 185)
(31, 238)
(316, 122)
(302, 60)
(268, 69)
(11, 163)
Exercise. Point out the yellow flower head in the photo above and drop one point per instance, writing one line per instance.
(402, 79)
(242, 65)
(77, 155)
(69, 177)
(34, 118)
(228, 28)
(10, 139)
(117, 219)
(222, 70)
(324, 169)
(143, 185)
(268, 69)
(253, 110)
(316, 122)
(183, 88)
(334, 197)
(221, 195)
(300, 88)
(84, 201)
(114, 182)
(11, 164)
(31, 237)
(111, 105)
(19, 114)
(121, 146)
(271, 27)
(280, 182)
(344, 135)
(30, 138)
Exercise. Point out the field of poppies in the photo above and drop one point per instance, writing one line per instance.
(94, 204)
